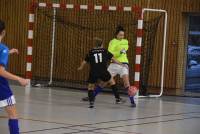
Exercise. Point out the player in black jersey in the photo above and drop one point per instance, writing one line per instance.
(98, 58)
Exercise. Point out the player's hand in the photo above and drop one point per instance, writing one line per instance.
(23, 81)
(13, 51)
(123, 51)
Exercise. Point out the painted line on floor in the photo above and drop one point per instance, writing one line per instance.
(88, 125)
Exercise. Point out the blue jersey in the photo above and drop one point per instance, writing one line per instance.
(5, 91)
(4, 53)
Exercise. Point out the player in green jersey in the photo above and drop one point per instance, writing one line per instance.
(119, 47)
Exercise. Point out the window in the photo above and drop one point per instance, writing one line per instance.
(193, 52)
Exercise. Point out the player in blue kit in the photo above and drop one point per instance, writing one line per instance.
(7, 99)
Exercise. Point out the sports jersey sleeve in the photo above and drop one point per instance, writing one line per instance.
(126, 46)
(4, 57)
(111, 49)
(109, 55)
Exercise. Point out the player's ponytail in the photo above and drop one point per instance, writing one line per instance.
(2, 26)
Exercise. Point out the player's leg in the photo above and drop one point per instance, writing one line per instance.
(8, 102)
(112, 72)
(108, 80)
(98, 88)
(127, 86)
(92, 80)
(115, 90)
(91, 96)
(13, 119)
(113, 69)
(124, 74)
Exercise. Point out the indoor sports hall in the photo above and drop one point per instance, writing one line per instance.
(99, 66)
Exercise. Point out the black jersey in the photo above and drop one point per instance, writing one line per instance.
(98, 59)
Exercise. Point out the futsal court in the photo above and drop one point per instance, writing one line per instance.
(55, 111)
(100, 66)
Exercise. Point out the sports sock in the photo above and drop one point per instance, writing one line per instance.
(115, 91)
(13, 126)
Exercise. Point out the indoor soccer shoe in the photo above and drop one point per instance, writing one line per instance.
(85, 99)
(91, 105)
(120, 101)
(133, 105)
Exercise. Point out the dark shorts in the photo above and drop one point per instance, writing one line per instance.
(94, 77)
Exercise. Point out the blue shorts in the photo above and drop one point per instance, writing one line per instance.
(6, 95)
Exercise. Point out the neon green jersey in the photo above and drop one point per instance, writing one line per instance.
(118, 48)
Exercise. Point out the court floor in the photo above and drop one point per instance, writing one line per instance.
(54, 111)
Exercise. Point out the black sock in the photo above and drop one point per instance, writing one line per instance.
(91, 95)
(115, 91)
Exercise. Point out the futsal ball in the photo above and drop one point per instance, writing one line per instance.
(132, 91)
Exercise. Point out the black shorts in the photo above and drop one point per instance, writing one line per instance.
(94, 77)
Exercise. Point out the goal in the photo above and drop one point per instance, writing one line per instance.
(60, 35)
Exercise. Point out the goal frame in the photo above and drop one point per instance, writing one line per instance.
(91, 7)
(138, 58)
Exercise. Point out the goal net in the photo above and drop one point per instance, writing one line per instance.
(62, 38)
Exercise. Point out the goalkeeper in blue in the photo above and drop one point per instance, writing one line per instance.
(7, 99)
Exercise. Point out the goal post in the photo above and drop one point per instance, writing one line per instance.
(53, 45)
(139, 44)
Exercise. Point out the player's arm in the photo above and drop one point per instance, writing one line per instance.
(116, 61)
(111, 57)
(111, 49)
(11, 76)
(3, 62)
(83, 63)
(125, 47)
(13, 51)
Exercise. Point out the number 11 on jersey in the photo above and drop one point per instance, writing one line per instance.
(98, 57)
